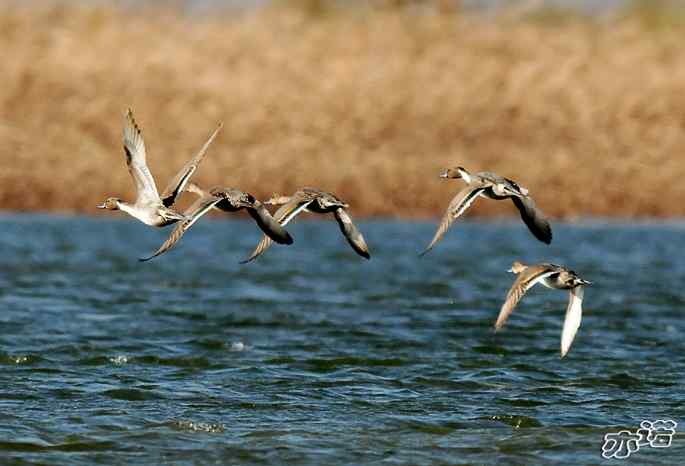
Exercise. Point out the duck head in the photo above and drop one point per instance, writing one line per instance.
(330, 201)
(111, 203)
(515, 187)
(455, 173)
(517, 267)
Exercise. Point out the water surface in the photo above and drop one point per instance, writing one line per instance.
(312, 355)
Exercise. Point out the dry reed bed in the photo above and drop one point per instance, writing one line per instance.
(590, 117)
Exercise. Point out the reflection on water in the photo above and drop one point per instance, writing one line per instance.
(312, 355)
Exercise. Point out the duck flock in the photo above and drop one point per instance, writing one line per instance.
(158, 210)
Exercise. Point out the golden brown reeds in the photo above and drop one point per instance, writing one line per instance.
(371, 104)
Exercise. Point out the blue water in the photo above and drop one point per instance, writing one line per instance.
(312, 355)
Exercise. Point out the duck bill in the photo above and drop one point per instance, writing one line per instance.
(101, 206)
(445, 174)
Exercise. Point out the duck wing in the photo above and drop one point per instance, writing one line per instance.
(136, 160)
(233, 200)
(268, 224)
(574, 314)
(178, 182)
(524, 282)
(283, 216)
(351, 233)
(458, 206)
(533, 218)
(200, 207)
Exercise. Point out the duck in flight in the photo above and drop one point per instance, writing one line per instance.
(320, 202)
(552, 276)
(227, 200)
(490, 185)
(149, 207)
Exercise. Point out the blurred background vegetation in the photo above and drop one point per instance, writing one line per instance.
(367, 99)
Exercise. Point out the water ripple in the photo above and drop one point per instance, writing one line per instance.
(313, 356)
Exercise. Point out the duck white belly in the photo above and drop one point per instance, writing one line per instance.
(153, 219)
(147, 215)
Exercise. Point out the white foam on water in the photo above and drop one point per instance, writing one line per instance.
(119, 360)
(238, 346)
(199, 426)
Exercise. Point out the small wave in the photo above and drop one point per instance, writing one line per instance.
(434, 428)
(131, 394)
(325, 365)
(492, 349)
(523, 402)
(84, 446)
(451, 384)
(118, 360)
(620, 380)
(516, 422)
(17, 359)
(179, 361)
